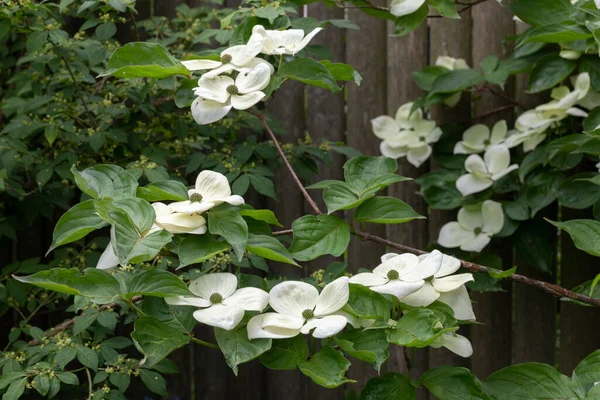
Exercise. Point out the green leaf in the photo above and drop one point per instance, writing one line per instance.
(426, 76)
(76, 223)
(82, 322)
(65, 355)
(370, 346)
(143, 60)
(156, 283)
(365, 303)
(285, 354)
(587, 372)
(68, 377)
(391, 386)
(342, 72)
(408, 23)
(270, 13)
(559, 33)
(363, 173)
(36, 41)
(327, 368)
(93, 283)
(106, 30)
(154, 382)
(453, 383)
(578, 192)
(542, 189)
(549, 71)
(456, 81)
(163, 190)
(270, 248)
(4, 28)
(417, 328)
(340, 196)
(385, 210)
(528, 381)
(584, 232)
(196, 249)
(228, 223)
(237, 348)
(446, 8)
(87, 357)
(315, 236)
(156, 340)
(267, 216)
(119, 5)
(15, 390)
(121, 380)
(107, 181)
(542, 12)
(42, 384)
(591, 65)
(591, 124)
(309, 71)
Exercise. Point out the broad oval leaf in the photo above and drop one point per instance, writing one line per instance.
(309, 71)
(237, 348)
(196, 249)
(456, 81)
(285, 354)
(327, 368)
(370, 346)
(364, 172)
(105, 180)
(270, 248)
(391, 386)
(584, 232)
(156, 340)
(453, 383)
(417, 328)
(549, 71)
(227, 222)
(156, 283)
(76, 223)
(542, 12)
(385, 210)
(144, 60)
(163, 190)
(315, 236)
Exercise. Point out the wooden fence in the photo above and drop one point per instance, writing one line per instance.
(519, 324)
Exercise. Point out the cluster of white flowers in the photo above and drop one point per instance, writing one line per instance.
(211, 189)
(219, 91)
(299, 308)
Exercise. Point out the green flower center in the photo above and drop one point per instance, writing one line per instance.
(393, 274)
(216, 298)
(477, 230)
(308, 314)
(232, 89)
(225, 58)
(195, 197)
(486, 142)
(422, 138)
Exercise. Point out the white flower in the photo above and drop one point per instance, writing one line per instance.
(289, 41)
(474, 227)
(212, 189)
(233, 58)
(177, 222)
(300, 309)
(454, 342)
(397, 275)
(477, 138)
(452, 63)
(408, 135)
(220, 304)
(482, 172)
(532, 124)
(216, 96)
(446, 288)
(400, 8)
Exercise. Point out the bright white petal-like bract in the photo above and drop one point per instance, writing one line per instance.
(423, 267)
(457, 344)
(182, 223)
(248, 298)
(223, 69)
(222, 283)
(470, 218)
(460, 303)
(497, 159)
(108, 259)
(418, 155)
(451, 282)
(385, 127)
(214, 89)
(212, 185)
(191, 207)
(423, 297)
(221, 316)
(245, 101)
(273, 326)
(499, 132)
(208, 111)
(196, 65)
(324, 327)
(242, 54)
(392, 152)
(368, 279)
(188, 301)
(333, 297)
(403, 113)
(449, 265)
(476, 137)
(492, 217)
(469, 184)
(253, 80)
(477, 244)
(400, 8)
(453, 235)
(292, 298)
(399, 288)
(306, 40)
(475, 165)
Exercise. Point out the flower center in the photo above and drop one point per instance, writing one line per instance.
(308, 314)
(195, 197)
(216, 298)
(477, 230)
(225, 58)
(393, 274)
(232, 89)
(486, 142)
(422, 138)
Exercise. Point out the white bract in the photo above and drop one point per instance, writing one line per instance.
(443, 287)
(301, 309)
(482, 172)
(212, 189)
(454, 342)
(234, 58)
(397, 275)
(474, 227)
(220, 304)
(452, 64)
(531, 126)
(289, 41)
(216, 96)
(478, 138)
(400, 8)
(407, 135)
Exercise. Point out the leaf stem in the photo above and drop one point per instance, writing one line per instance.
(90, 389)
(203, 343)
(131, 304)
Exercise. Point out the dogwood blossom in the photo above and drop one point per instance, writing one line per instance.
(531, 126)
(478, 138)
(408, 135)
(400, 8)
(274, 42)
(444, 287)
(452, 64)
(233, 58)
(211, 189)
(397, 275)
(454, 342)
(474, 227)
(482, 172)
(220, 304)
(300, 309)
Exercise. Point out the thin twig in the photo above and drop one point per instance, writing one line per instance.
(87, 110)
(281, 233)
(494, 111)
(90, 387)
(503, 96)
(137, 32)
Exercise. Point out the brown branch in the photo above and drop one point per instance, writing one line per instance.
(494, 111)
(309, 199)
(63, 326)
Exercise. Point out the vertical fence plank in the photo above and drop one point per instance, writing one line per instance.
(578, 324)
(448, 38)
(366, 52)
(492, 340)
(405, 55)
